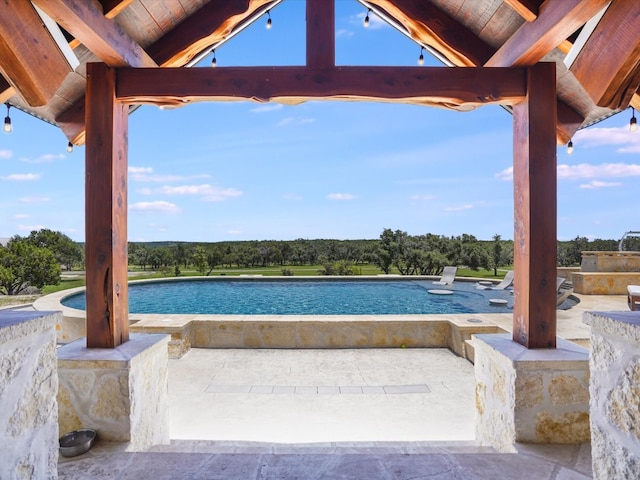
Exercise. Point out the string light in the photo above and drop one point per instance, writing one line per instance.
(214, 62)
(69, 147)
(366, 19)
(7, 121)
(421, 57)
(268, 20)
(633, 123)
(570, 147)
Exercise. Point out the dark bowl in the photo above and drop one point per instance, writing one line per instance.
(77, 442)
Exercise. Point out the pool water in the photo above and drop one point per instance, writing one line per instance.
(302, 297)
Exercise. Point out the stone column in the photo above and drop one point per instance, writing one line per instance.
(121, 392)
(615, 394)
(28, 387)
(530, 395)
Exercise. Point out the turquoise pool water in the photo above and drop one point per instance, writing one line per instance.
(302, 297)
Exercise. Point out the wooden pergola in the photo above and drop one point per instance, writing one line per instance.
(508, 52)
(531, 91)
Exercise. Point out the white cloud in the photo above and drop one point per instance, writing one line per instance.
(20, 216)
(34, 199)
(269, 107)
(294, 121)
(585, 170)
(5, 154)
(423, 197)
(604, 170)
(599, 137)
(208, 192)
(341, 196)
(598, 184)
(47, 158)
(140, 170)
(30, 228)
(343, 32)
(145, 174)
(458, 208)
(144, 191)
(158, 206)
(375, 21)
(22, 177)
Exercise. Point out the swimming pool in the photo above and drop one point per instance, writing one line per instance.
(215, 295)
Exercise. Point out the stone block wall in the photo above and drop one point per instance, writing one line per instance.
(122, 393)
(615, 394)
(28, 387)
(530, 396)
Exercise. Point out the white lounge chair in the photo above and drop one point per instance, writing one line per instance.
(507, 281)
(633, 297)
(448, 276)
(562, 291)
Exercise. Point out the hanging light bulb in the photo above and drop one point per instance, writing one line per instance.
(570, 147)
(366, 19)
(633, 123)
(69, 147)
(268, 20)
(214, 62)
(7, 121)
(421, 57)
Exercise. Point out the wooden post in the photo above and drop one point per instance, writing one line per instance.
(321, 37)
(106, 210)
(535, 211)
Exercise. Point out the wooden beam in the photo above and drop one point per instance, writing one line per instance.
(106, 211)
(6, 90)
(111, 8)
(29, 57)
(533, 40)
(432, 26)
(618, 69)
(449, 87)
(321, 37)
(104, 37)
(527, 9)
(569, 121)
(209, 25)
(535, 211)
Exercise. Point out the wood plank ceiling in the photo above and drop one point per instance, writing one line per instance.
(603, 79)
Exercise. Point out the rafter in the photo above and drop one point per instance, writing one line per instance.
(527, 9)
(449, 87)
(209, 25)
(430, 25)
(104, 37)
(533, 40)
(6, 90)
(618, 68)
(29, 57)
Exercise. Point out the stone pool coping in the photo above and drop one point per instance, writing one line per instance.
(451, 331)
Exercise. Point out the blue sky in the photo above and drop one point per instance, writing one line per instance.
(344, 170)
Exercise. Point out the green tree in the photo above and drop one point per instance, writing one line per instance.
(199, 258)
(23, 264)
(496, 251)
(66, 251)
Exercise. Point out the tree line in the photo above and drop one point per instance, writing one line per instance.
(37, 259)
